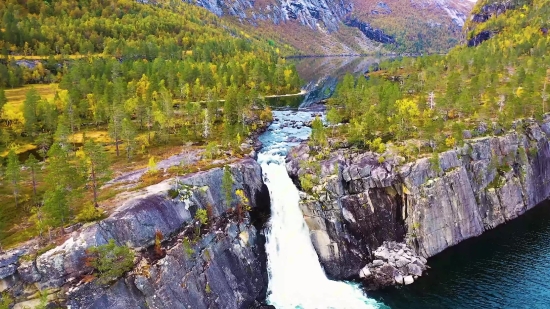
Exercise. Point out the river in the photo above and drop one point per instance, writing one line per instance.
(506, 267)
(296, 278)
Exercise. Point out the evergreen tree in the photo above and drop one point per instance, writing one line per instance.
(128, 136)
(115, 126)
(64, 179)
(13, 174)
(30, 111)
(227, 186)
(32, 165)
(98, 165)
(318, 134)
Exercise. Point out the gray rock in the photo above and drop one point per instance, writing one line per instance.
(382, 254)
(7, 271)
(10, 258)
(402, 262)
(377, 263)
(408, 280)
(399, 279)
(365, 272)
(414, 269)
(28, 272)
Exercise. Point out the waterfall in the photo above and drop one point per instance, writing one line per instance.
(296, 278)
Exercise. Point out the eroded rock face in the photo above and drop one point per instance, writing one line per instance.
(361, 201)
(311, 13)
(221, 270)
(224, 268)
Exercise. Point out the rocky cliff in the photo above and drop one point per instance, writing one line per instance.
(326, 26)
(222, 266)
(362, 199)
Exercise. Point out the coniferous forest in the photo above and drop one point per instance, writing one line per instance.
(431, 103)
(89, 89)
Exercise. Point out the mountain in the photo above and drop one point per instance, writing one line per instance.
(336, 26)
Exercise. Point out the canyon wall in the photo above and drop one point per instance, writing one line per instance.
(361, 199)
(221, 267)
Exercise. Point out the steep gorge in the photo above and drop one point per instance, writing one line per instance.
(360, 200)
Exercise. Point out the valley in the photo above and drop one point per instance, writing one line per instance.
(274, 154)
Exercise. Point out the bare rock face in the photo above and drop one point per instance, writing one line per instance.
(310, 13)
(222, 268)
(225, 266)
(361, 201)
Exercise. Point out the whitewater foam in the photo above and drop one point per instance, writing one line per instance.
(296, 278)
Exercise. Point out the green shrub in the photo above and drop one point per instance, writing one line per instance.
(307, 182)
(6, 300)
(434, 163)
(202, 216)
(187, 247)
(111, 261)
(89, 213)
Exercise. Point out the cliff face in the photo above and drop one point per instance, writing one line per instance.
(224, 267)
(337, 26)
(360, 202)
(311, 13)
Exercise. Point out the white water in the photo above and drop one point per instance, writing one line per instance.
(296, 278)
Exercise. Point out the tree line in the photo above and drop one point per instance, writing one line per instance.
(431, 102)
(155, 74)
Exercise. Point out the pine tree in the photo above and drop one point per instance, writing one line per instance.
(98, 165)
(318, 134)
(13, 174)
(128, 136)
(115, 126)
(30, 111)
(32, 164)
(227, 186)
(64, 179)
(3, 99)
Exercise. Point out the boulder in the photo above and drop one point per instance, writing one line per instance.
(414, 270)
(365, 272)
(408, 280)
(401, 261)
(377, 263)
(399, 279)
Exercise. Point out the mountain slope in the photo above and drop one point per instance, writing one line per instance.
(435, 102)
(416, 25)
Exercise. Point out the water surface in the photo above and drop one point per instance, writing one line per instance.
(508, 267)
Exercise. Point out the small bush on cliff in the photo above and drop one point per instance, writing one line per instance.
(90, 213)
(111, 261)
(307, 182)
(434, 163)
(202, 216)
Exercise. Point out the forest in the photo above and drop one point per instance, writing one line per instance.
(92, 88)
(417, 106)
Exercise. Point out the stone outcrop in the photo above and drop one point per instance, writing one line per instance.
(360, 200)
(483, 14)
(393, 263)
(221, 268)
(310, 13)
(374, 34)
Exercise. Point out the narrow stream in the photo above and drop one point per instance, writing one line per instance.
(296, 278)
